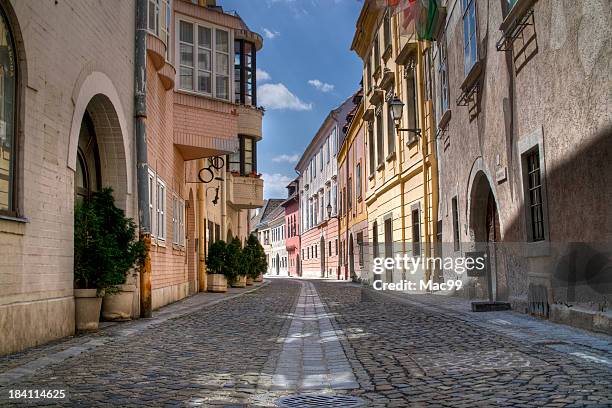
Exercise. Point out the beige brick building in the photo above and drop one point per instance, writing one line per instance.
(66, 129)
(201, 114)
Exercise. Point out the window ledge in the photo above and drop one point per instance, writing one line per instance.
(391, 156)
(446, 117)
(471, 77)
(537, 249)
(371, 176)
(380, 167)
(518, 10)
(19, 219)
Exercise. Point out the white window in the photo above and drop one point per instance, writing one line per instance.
(178, 220)
(161, 210)
(204, 57)
(153, 16)
(152, 216)
(158, 21)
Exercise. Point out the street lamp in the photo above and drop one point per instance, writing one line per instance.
(329, 210)
(397, 106)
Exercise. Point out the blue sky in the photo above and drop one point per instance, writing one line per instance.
(310, 70)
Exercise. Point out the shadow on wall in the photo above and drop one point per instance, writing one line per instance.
(574, 265)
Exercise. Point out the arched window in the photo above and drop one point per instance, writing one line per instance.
(8, 99)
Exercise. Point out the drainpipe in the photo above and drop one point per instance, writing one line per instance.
(425, 132)
(224, 186)
(140, 115)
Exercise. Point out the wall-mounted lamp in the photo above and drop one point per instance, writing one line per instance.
(397, 107)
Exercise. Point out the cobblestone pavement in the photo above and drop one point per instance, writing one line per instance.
(325, 338)
(411, 353)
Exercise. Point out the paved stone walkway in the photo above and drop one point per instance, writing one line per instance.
(312, 357)
(319, 337)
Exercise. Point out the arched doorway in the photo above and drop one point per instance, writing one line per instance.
(351, 255)
(277, 264)
(298, 265)
(88, 174)
(322, 244)
(486, 233)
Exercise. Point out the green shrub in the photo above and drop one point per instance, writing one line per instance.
(225, 259)
(106, 245)
(235, 261)
(217, 258)
(256, 261)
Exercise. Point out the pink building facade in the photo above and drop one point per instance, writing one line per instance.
(292, 223)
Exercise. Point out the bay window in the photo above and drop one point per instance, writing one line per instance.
(244, 161)
(204, 58)
(244, 73)
(158, 21)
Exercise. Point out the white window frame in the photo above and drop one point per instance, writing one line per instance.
(161, 210)
(178, 220)
(152, 200)
(213, 60)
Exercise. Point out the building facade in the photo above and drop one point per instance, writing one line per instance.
(203, 126)
(66, 131)
(352, 212)
(400, 166)
(278, 265)
(318, 169)
(292, 223)
(525, 156)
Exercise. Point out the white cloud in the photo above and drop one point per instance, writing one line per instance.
(275, 185)
(277, 96)
(262, 75)
(321, 86)
(286, 158)
(270, 34)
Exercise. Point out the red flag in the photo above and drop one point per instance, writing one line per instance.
(407, 11)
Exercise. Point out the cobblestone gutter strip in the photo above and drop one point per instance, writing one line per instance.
(312, 358)
(25, 364)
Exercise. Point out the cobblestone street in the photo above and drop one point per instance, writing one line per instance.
(328, 338)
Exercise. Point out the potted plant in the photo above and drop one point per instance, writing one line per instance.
(106, 247)
(252, 261)
(216, 265)
(235, 268)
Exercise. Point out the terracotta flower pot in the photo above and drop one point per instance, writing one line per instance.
(119, 305)
(240, 282)
(249, 281)
(217, 283)
(87, 309)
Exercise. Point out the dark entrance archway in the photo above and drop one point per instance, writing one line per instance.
(298, 265)
(322, 244)
(277, 264)
(486, 231)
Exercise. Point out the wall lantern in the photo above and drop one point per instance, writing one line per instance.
(397, 107)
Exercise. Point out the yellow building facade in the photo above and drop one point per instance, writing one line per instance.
(352, 214)
(401, 193)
